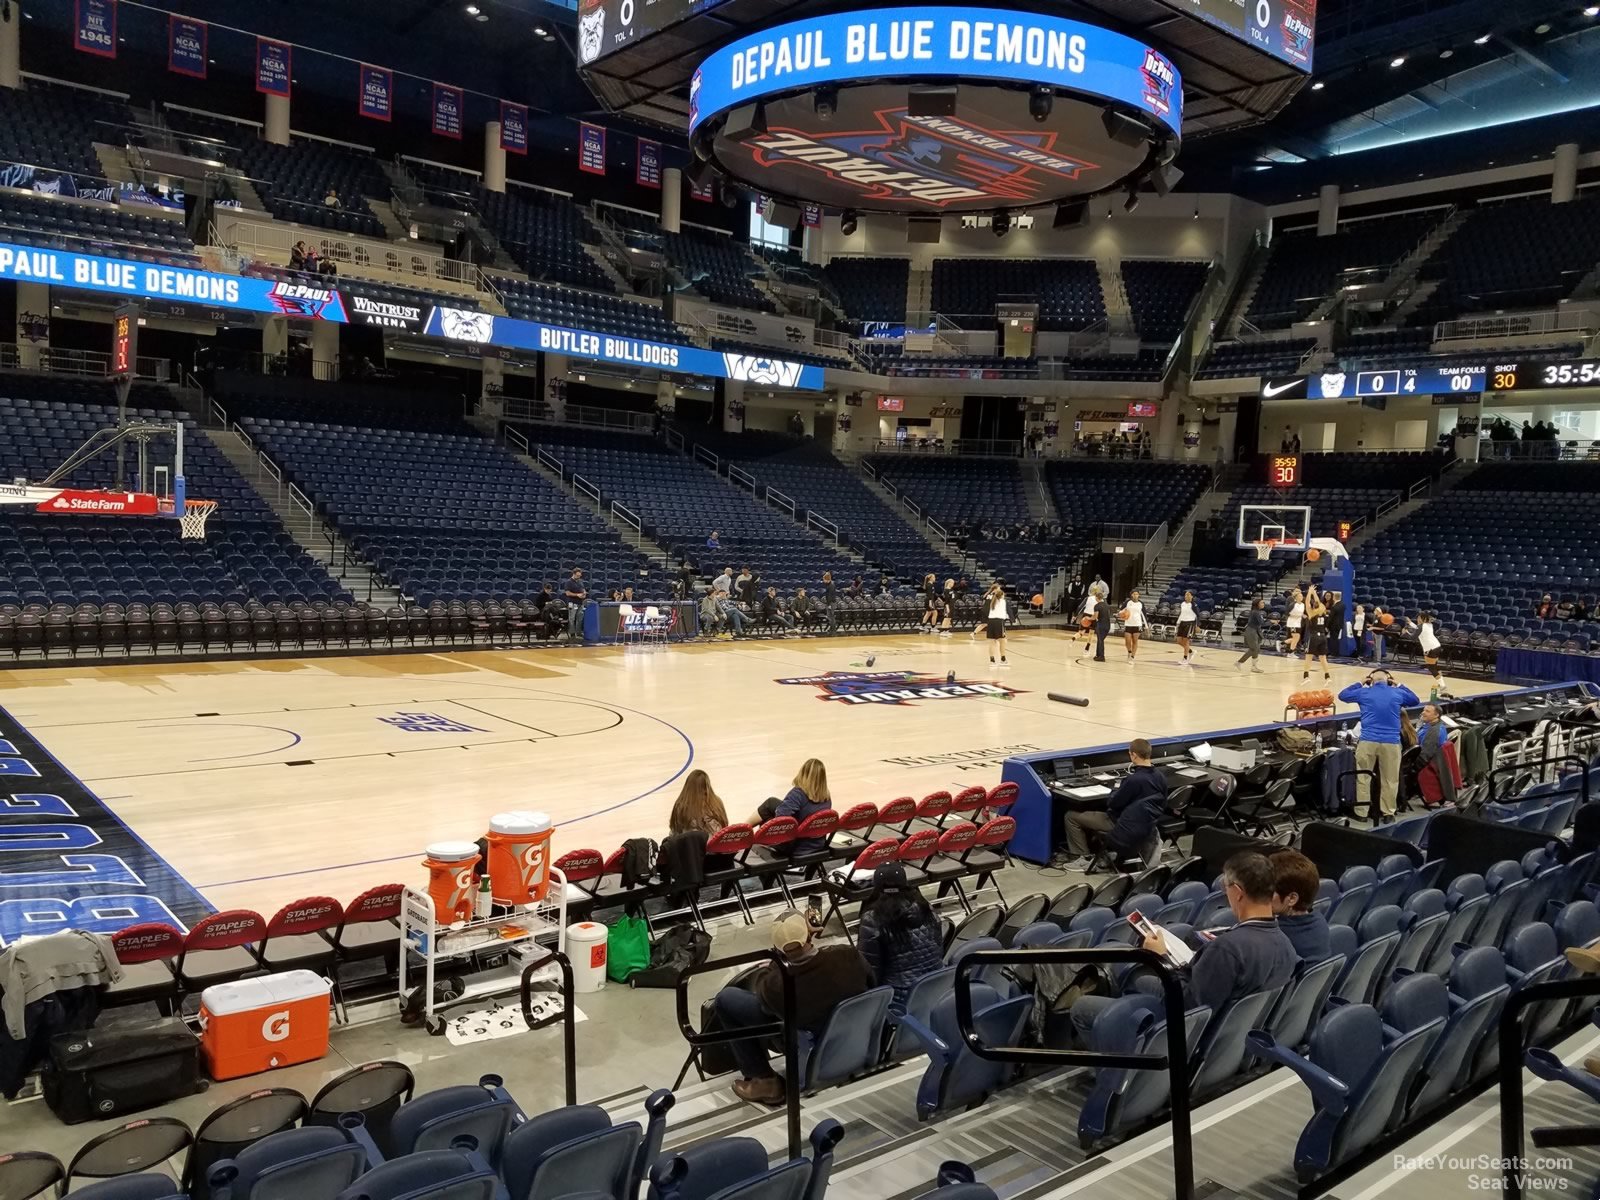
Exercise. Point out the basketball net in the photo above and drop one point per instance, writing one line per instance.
(192, 524)
(1264, 549)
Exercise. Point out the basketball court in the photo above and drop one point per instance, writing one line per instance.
(258, 783)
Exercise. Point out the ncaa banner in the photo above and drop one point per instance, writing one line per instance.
(447, 105)
(94, 27)
(591, 148)
(513, 127)
(377, 92)
(647, 171)
(272, 67)
(811, 214)
(704, 193)
(186, 46)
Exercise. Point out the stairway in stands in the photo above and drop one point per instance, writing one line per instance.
(313, 535)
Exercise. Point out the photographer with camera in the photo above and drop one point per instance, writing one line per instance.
(1380, 700)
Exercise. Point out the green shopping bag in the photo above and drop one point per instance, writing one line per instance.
(627, 947)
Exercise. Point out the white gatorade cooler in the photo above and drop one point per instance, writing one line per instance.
(519, 856)
(586, 948)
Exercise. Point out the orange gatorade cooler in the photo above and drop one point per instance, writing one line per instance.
(519, 856)
(452, 879)
(255, 1025)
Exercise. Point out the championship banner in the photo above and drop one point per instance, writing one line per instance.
(272, 67)
(447, 105)
(811, 214)
(186, 46)
(591, 148)
(377, 92)
(513, 127)
(705, 192)
(94, 27)
(647, 171)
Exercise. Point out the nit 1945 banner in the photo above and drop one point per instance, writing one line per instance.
(513, 127)
(591, 148)
(377, 92)
(647, 172)
(94, 27)
(448, 103)
(186, 46)
(273, 67)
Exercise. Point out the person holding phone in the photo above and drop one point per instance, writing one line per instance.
(1380, 700)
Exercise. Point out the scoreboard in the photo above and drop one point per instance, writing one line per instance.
(1283, 470)
(1285, 29)
(1440, 379)
(606, 26)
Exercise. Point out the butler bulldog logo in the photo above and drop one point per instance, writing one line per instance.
(896, 687)
(1332, 385)
(933, 160)
(591, 31)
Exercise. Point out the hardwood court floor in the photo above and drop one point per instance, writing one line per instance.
(261, 782)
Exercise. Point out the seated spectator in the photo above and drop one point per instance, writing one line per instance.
(713, 621)
(823, 976)
(1130, 815)
(807, 612)
(1564, 610)
(731, 612)
(1581, 610)
(1251, 956)
(772, 610)
(330, 198)
(808, 795)
(714, 542)
(1545, 608)
(899, 935)
(698, 809)
(1294, 891)
(627, 595)
(614, 596)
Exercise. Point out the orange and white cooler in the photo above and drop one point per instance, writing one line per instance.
(452, 880)
(255, 1025)
(519, 856)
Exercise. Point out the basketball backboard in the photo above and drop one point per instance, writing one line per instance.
(1271, 528)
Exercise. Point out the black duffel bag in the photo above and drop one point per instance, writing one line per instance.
(102, 1073)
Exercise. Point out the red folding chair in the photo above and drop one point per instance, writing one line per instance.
(968, 802)
(990, 853)
(149, 956)
(853, 884)
(948, 863)
(918, 847)
(857, 819)
(812, 862)
(583, 870)
(767, 859)
(1001, 797)
(933, 808)
(298, 936)
(896, 816)
(725, 851)
(220, 949)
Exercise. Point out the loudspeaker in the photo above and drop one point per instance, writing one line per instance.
(745, 120)
(923, 230)
(931, 102)
(1124, 130)
(1164, 179)
(699, 173)
(1070, 214)
(781, 214)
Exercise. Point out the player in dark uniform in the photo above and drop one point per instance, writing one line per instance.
(1317, 632)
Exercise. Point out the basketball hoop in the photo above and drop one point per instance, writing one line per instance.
(1265, 548)
(195, 515)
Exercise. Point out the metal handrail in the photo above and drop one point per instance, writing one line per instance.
(1510, 1033)
(518, 439)
(1175, 1061)
(703, 455)
(1545, 760)
(778, 500)
(580, 484)
(627, 516)
(785, 1027)
(740, 475)
(823, 525)
(569, 1019)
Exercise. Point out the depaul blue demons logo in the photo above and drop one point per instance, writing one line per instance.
(298, 300)
(1159, 78)
(935, 160)
(895, 687)
(1297, 32)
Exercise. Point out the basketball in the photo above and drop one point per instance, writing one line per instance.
(1313, 555)
(1038, 600)
(1386, 619)
(1086, 623)
(1123, 615)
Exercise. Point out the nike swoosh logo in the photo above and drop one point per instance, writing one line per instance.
(1269, 391)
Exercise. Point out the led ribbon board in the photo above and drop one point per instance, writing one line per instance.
(863, 148)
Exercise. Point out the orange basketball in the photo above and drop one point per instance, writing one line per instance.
(1313, 554)
(1038, 599)
(1386, 619)
(1123, 615)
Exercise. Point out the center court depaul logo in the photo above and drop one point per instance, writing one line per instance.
(895, 687)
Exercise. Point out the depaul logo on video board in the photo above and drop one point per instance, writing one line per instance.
(896, 687)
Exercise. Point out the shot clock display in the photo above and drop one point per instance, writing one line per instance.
(124, 339)
(1283, 470)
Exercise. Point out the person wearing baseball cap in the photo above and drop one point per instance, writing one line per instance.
(823, 976)
(899, 935)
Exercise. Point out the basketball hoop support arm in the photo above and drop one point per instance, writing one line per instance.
(106, 439)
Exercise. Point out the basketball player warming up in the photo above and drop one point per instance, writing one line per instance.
(1428, 641)
(1132, 615)
(1186, 620)
(1295, 618)
(995, 623)
(1316, 634)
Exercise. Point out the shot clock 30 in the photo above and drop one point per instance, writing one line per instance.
(1283, 470)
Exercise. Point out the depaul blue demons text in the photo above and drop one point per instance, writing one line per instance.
(956, 43)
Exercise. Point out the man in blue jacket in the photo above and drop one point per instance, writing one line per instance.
(1380, 700)
(1130, 815)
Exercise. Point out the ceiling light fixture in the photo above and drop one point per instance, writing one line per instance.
(539, 30)
(1447, 53)
(1592, 11)
(472, 10)
(1542, 27)
(1399, 60)
(1318, 86)
(1482, 40)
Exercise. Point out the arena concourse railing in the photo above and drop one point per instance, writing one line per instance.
(1175, 1061)
(1514, 1176)
(569, 1016)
